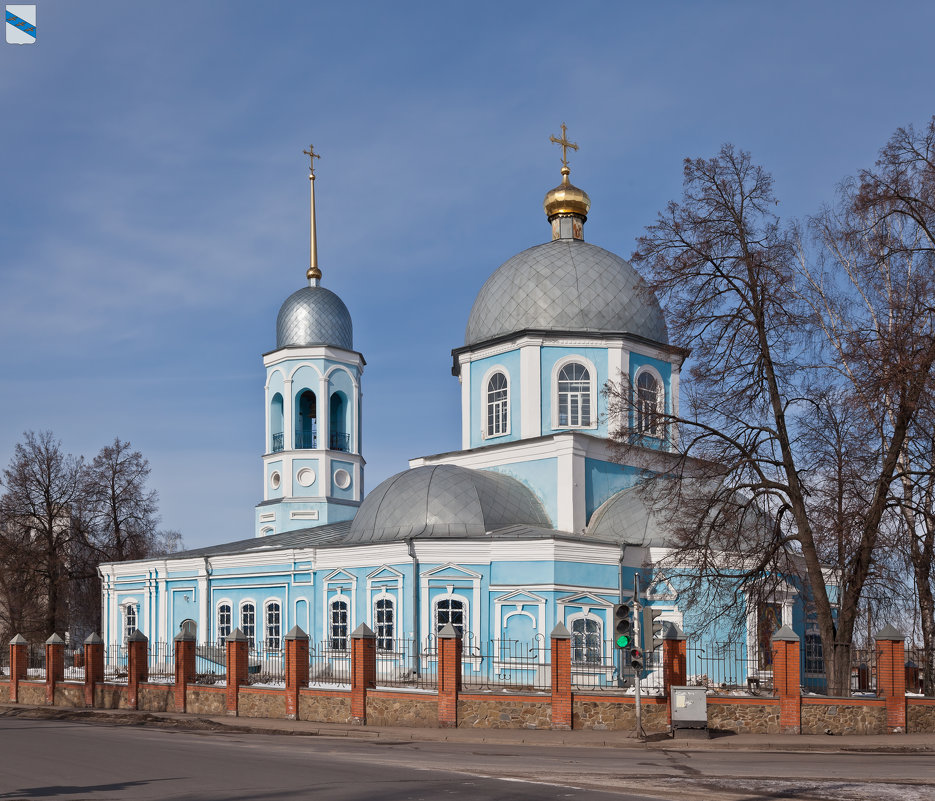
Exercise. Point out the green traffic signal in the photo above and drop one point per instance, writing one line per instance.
(623, 641)
(623, 625)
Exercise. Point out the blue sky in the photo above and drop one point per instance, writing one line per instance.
(154, 191)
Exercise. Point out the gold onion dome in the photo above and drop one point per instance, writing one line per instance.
(566, 198)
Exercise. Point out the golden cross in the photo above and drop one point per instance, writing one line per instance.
(565, 145)
(312, 155)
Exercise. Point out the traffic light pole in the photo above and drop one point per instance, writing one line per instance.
(637, 609)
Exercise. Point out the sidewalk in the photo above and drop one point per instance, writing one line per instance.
(588, 738)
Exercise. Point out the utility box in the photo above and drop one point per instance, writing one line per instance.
(689, 712)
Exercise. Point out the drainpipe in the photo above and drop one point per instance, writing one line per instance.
(617, 652)
(416, 634)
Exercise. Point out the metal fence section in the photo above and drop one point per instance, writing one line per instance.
(864, 670)
(115, 663)
(728, 667)
(161, 658)
(506, 664)
(74, 663)
(327, 666)
(403, 663)
(211, 663)
(267, 666)
(916, 661)
(35, 662)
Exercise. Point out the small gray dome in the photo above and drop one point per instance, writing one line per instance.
(627, 517)
(565, 285)
(314, 316)
(437, 501)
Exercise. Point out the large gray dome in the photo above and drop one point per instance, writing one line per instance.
(314, 316)
(565, 285)
(438, 501)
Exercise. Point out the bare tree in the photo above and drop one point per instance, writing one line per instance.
(41, 487)
(765, 353)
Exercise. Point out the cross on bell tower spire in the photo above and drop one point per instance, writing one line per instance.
(313, 274)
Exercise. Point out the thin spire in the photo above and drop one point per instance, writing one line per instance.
(313, 273)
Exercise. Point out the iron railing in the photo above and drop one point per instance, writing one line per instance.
(306, 440)
(74, 663)
(403, 663)
(339, 441)
(728, 666)
(506, 664)
(278, 443)
(35, 662)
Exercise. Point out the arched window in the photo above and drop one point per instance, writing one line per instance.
(384, 620)
(586, 640)
(574, 396)
(224, 622)
(648, 404)
(129, 620)
(276, 424)
(450, 610)
(338, 628)
(273, 626)
(248, 622)
(306, 421)
(497, 405)
(337, 425)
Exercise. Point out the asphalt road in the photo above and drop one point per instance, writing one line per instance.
(46, 759)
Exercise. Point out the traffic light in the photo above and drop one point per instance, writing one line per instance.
(623, 625)
(653, 628)
(636, 659)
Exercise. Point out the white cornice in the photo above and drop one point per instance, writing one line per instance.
(340, 355)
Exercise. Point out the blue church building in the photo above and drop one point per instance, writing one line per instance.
(534, 521)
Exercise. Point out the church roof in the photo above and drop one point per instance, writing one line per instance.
(445, 501)
(314, 316)
(566, 285)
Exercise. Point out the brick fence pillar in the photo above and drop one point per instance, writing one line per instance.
(93, 666)
(184, 643)
(562, 712)
(674, 667)
(786, 679)
(137, 666)
(238, 649)
(891, 677)
(54, 666)
(450, 650)
(19, 664)
(296, 669)
(363, 670)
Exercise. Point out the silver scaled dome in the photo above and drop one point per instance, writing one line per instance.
(437, 501)
(565, 285)
(314, 316)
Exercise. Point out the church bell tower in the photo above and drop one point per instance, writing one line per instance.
(313, 471)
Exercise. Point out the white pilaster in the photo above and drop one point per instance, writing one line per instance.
(288, 435)
(203, 605)
(324, 413)
(465, 379)
(530, 369)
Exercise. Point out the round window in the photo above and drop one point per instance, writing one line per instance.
(275, 479)
(305, 477)
(342, 479)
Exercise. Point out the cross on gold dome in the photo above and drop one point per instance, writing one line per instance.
(312, 155)
(565, 145)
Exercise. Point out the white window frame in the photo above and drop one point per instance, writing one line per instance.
(221, 637)
(268, 641)
(346, 637)
(450, 597)
(658, 431)
(486, 403)
(379, 626)
(592, 392)
(131, 608)
(587, 617)
(251, 637)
